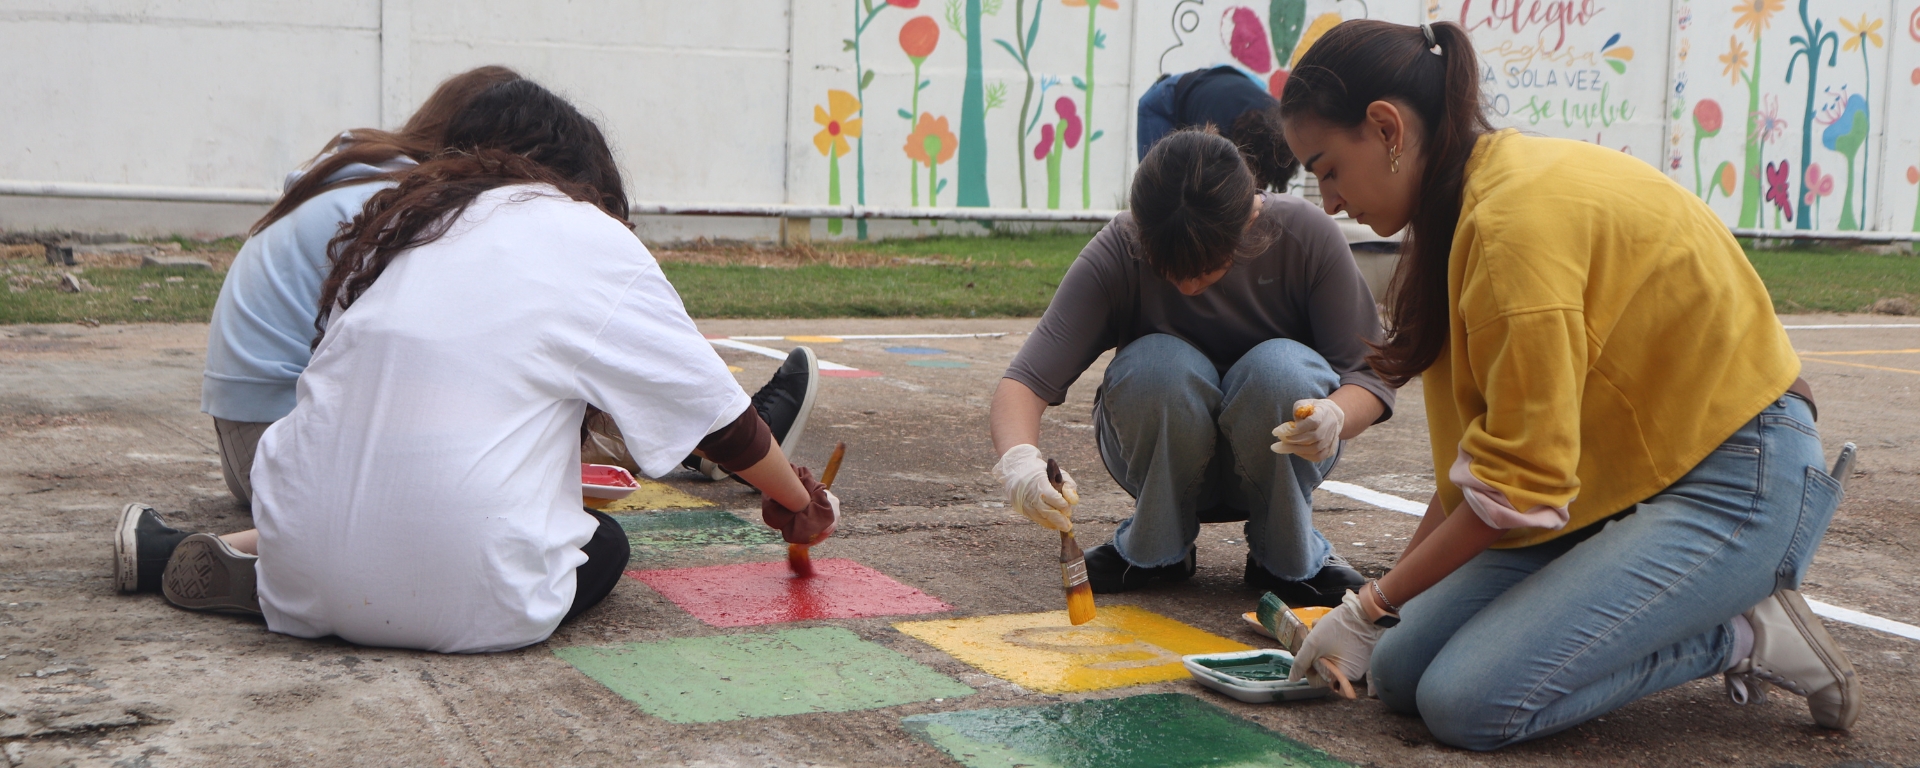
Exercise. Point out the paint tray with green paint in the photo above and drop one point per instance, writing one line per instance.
(1255, 677)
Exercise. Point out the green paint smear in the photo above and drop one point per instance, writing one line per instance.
(1261, 669)
(690, 529)
(732, 677)
(1162, 729)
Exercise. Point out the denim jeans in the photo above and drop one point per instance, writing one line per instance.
(1155, 114)
(1521, 643)
(1189, 444)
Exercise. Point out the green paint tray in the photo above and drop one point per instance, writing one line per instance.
(1255, 677)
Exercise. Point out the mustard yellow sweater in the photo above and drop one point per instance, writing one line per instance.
(1607, 332)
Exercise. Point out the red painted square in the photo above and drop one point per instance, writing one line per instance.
(768, 593)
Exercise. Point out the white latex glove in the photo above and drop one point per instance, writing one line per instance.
(1343, 638)
(1315, 437)
(1024, 473)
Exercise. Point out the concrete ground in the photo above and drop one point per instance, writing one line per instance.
(92, 418)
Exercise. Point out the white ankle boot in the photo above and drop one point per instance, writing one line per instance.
(1793, 651)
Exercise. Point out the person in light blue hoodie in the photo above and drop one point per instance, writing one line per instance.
(263, 324)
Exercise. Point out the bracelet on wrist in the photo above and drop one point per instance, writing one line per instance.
(1381, 596)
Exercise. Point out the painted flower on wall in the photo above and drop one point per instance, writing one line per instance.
(835, 129)
(1247, 39)
(1735, 60)
(1818, 185)
(908, 4)
(1055, 140)
(918, 37)
(1862, 30)
(1768, 125)
(1707, 119)
(931, 144)
(1757, 15)
(1777, 176)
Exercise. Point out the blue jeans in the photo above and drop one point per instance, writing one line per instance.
(1521, 643)
(1155, 114)
(1189, 444)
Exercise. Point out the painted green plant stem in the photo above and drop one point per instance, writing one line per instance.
(1750, 188)
(932, 144)
(914, 184)
(1022, 52)
(833, 187)
(972, 191)
(1086, 149)
(1812, 44)
(1060, 149)
(861, 77)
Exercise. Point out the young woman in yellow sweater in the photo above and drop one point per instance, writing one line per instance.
(1630, 482)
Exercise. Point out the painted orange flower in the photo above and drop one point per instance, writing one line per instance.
(1865, 30)
(1735, 60)
(1109, 4)
(919, 36)
(1757, 15)
(835, 127)
(931, 142)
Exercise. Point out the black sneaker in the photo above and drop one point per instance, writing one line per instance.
(1325, 588)
(205, 574)
(141, 546)
(784, 403)
(1109, 573)
(786, 400)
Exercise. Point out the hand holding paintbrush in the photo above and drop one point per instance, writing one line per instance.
(1073, 562)
(799, 556)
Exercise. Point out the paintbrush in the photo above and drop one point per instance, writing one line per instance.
(798, 557)
(1073, 563)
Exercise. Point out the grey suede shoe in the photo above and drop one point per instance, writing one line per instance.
(206, 574)
(1793, 651)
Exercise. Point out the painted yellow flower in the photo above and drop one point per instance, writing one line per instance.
(1735, 60)
(1757, 15)
(1866, 30)
(835, 127)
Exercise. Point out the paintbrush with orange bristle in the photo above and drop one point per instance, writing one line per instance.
(799, 558)
(1073, 564)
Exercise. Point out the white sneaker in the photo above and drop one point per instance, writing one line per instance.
(1792, 650)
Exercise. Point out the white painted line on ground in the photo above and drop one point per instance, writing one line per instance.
(1837, 613)
(879, 336)
(773, 353)
(1862, 325)
(1374, 497)
(1867, 620)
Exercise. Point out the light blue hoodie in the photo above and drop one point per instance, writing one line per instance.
(262, 332)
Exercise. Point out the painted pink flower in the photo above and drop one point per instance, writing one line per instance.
(1818, 184)
(1071, 114)
(1777, 177)
(1707, 116)
(1247, 38)
(904, 3)
(1041, 149)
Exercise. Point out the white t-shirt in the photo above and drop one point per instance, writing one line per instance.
(425, 490)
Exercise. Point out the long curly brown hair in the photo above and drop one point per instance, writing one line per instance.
(513, 133)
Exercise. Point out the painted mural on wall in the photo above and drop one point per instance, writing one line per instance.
(1793, 82)
(1772, 111)
(987, 103)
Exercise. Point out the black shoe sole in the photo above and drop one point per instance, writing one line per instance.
(207, 575)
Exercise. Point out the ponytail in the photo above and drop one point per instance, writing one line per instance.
(1432, 69)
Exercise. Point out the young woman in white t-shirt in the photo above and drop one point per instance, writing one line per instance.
(424, 491)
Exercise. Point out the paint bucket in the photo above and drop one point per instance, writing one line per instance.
(1255, 677)
(604, 484)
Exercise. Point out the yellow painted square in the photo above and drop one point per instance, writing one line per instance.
(1122, 646)
(657, 495)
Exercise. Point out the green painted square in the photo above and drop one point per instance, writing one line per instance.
(690, 529)
(1161, 729)
(731, 677)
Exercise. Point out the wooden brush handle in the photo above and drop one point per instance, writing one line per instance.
(833, 465)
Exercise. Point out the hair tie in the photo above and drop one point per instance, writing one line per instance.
(1426, 28)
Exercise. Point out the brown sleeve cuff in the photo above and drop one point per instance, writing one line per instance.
(739, 445)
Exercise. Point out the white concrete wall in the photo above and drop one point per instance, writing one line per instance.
(716, 101)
